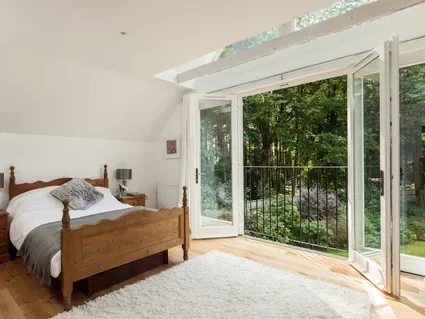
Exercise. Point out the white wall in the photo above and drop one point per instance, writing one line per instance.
(162, 171)
(38, 157)
(62, 97)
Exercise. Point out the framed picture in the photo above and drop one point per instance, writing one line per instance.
(172, 148)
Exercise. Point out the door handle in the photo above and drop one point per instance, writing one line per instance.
(382, 183)
(197, 175)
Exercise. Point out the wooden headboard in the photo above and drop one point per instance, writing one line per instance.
(17, 189)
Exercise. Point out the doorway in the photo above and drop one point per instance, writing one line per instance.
(214, 135)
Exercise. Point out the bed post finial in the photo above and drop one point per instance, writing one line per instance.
(66, 220)
(12, 175)
(184, 196)
(105, 176)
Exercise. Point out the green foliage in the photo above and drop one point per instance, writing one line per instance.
(415, 224)
(281, 221)
(407, 234)
(335, 9)
(216, 191)
(249, 42)
(305, 125)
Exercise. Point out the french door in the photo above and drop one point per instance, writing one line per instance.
(374, 167)
(214, 166)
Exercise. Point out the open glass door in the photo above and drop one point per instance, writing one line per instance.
(215, 164)
(371, 225)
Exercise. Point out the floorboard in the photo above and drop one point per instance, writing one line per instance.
(22, 297)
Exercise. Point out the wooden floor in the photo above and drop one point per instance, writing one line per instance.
(22, 297)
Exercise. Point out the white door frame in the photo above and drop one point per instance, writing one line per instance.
(387, 275)
(395, 162)
(198, 231)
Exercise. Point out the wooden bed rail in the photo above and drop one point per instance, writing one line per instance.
(95, 248)
(17, 189)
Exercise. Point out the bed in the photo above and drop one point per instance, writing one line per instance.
(90, 249)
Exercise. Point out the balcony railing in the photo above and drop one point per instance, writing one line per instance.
(297, 205)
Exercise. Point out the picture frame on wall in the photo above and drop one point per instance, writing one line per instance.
(172, 148)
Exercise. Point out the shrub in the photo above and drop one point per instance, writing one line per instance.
(316, 203)
(372, 233)
(216, 200)
(416, 225)
(339, 230)
(415, 210)
(283, 222)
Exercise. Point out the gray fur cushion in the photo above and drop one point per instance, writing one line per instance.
(81, 194)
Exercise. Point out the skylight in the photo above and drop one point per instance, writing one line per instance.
(333, 10)
(250, 42)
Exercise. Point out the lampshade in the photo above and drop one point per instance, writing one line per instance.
(1, 180)
(124, 173)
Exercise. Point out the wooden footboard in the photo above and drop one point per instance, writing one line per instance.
(92, 249)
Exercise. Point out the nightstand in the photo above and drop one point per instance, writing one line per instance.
(4, 251)
(138, 200)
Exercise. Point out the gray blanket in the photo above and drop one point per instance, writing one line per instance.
(43, 242)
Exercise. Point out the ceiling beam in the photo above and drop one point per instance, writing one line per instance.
(355, 17)
(307, 74)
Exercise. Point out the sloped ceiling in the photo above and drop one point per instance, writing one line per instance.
(67, 70)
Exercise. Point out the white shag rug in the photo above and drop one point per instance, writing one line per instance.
(218, 285)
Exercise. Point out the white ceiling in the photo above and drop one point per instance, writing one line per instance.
(66, 70)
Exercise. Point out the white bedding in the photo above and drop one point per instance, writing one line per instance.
(38, 207)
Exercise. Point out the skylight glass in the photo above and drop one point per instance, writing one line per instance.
(334, 9)
(250, 42)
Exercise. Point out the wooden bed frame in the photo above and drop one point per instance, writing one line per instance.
(92, 249)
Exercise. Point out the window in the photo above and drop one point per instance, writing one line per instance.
(333, 10)
(249, 42)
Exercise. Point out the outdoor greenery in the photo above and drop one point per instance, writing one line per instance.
(216, 162)
(302, 131)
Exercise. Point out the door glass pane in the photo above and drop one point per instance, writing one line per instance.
(367, 161)
(216, 163)
(412, 167)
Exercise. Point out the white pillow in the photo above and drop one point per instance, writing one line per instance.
(37, 199)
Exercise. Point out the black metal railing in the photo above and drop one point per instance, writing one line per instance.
(297, 205)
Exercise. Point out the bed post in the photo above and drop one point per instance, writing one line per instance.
(67, 283)
(186, 239)
(105, 176)
(12, 181)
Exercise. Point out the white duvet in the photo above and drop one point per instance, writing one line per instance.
(38, 207)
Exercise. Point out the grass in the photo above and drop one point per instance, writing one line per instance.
(417, 248)
(337, 252)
